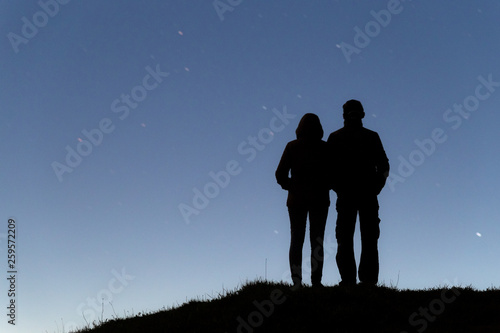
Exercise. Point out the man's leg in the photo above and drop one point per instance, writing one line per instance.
(370, 232)
(317, 222)
(344, 232)
(298, 218)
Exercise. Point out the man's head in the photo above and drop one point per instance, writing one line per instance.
(353, 110)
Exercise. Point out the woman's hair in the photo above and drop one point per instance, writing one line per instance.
(309, 127)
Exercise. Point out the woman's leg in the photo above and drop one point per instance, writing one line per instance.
(298, 218)
(317, 221)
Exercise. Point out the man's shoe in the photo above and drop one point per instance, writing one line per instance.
(347, 284)
(296, 286)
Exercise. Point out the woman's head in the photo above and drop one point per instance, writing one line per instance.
(309, 127)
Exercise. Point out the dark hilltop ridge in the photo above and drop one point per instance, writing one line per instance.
(275, 307)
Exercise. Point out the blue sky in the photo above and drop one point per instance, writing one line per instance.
(175, 93)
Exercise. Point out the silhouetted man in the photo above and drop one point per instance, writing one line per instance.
(360, 168)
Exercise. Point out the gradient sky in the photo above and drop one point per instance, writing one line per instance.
(174, 92)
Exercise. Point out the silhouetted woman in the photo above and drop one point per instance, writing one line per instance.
(305, 160)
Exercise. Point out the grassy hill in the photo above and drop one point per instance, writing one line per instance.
(274, 307)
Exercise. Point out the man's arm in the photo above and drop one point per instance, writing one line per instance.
(381, 164)
(332, 163)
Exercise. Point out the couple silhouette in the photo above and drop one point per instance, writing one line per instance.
(353, 163)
